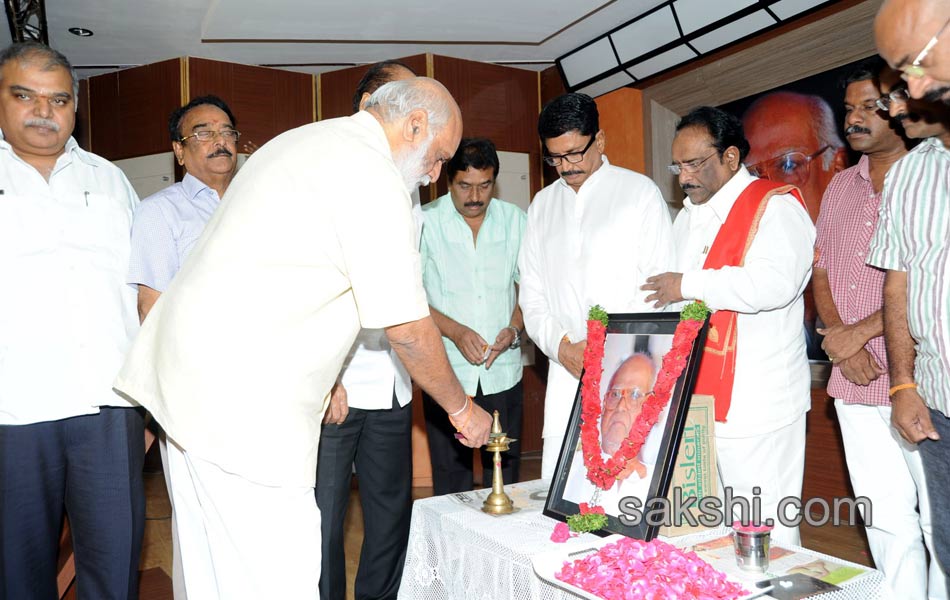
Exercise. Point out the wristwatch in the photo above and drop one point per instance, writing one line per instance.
(515, 343)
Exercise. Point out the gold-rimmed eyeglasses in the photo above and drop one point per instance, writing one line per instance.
(692, 166)
(915, 69)
(791, 167)
(896, 95)
(206, 135)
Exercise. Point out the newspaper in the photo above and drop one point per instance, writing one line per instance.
(720, 553)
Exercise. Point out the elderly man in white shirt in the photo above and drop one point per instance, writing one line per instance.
(240, 381)
(593, 236)
(67, 317)
(369, 425)
(746, 247)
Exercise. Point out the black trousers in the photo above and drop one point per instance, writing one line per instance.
(92, 466)
(379, 443)
(452, 462)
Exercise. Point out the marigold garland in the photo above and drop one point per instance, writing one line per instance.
(604, 474)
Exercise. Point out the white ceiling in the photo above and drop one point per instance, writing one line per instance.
(321, 35)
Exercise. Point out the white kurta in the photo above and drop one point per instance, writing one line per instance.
(372, 372)
(237, 357)
(772, 381)
(595, 246)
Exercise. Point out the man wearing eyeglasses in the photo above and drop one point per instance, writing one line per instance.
(592, 237)
(914, 37)
(745, 247)
(794, 139)
(912, 243)
(168, 224)
(849, 298)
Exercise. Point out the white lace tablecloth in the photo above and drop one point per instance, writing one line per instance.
(457, 552)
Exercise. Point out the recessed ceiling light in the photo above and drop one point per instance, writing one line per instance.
(80, 31)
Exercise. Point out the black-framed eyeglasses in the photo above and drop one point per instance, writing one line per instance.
(689, 167)
(896, 95)
(572, 157)
(915, 69)
(206, 135)
(791, 167)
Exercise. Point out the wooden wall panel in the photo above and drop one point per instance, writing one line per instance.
(551, 84)
(266, 102)
(497, 102)
(128, 112)
(337, 87)
(104, 112)
(81, 131)
(837, 39)
(621, 118)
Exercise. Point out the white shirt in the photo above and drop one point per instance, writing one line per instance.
(595, 246)
(772, 383)
(313, 239)
(372, 372)
(67, 316)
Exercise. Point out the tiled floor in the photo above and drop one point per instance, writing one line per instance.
(847, 542)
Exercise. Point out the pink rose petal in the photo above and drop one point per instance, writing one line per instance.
(561, 533)
(631, 569)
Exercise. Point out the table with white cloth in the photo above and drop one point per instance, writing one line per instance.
(456, 551)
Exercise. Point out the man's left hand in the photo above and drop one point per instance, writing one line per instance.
(339, 408)
(502, 342)
(841, 341)
(665, 288)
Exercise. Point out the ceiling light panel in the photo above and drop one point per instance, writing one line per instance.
(607, 84)
(696, 14)
(645, 35)
(789, 8)
(588, 62)
(733, 31)
(658, 63)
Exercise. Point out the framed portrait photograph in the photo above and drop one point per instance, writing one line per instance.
(634, 349)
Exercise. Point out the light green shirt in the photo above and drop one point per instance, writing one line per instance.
(474, 284)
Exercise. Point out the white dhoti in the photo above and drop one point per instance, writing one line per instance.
(242, 540)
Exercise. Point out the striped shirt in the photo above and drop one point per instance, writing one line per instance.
(849, 213)
(913, 235)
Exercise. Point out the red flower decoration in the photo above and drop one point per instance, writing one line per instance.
(604, 474)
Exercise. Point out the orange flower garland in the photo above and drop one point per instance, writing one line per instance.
(604, 474)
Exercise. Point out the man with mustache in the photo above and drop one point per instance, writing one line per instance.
(67, 440)
(914, 37)
(592, 237)
(912, 242)
(745, 248)
(470, 248)
(849, 298)
(237, 358)
(168, 224)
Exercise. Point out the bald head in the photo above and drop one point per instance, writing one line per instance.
(423, 125)
(797, 127)
(902, 29)
(629, 386)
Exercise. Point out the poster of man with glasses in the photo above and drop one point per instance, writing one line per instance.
(795, 134)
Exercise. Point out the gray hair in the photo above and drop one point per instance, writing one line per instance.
(827, 128)
(396, 99)
(35, 52)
